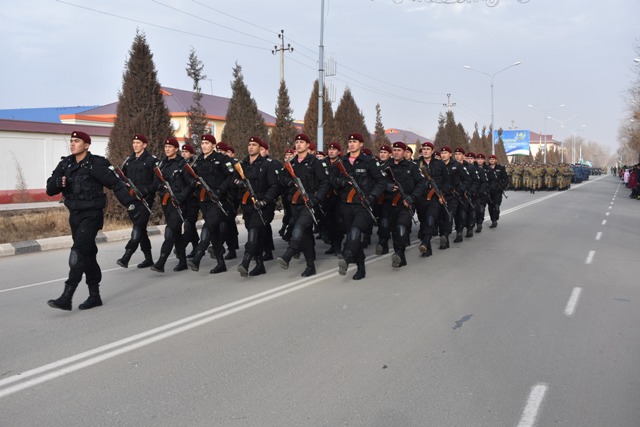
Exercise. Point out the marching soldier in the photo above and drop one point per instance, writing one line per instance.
(482, 194)
(428, 207)
(459, 181)
(138, 168)
(231, 239)
(381, 208)
(333, 220)
(498, 180)
(306, 185)
(466, 207)
(215, 169)
(174, 188)
(192, 206)
(358, 172)
(81, 178)
(258, 182)
(405, 185)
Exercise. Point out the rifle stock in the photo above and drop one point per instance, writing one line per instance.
(167, 187)
(238, 167)
(303, 192)
(361, 196)
(136, 192)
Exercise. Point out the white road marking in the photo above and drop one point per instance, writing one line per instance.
(598, 235)
(590, 257)
(607, 214)
(573, 301)
(609, 207)
(530, 412)
(604, 222)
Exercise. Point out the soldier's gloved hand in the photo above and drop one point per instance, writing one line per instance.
(314, 201)
(238, 183)
(340, 182)
(61, 181)
(391, 187)
(288, 181)
(371, 199)
(409, 201)
(260, 204)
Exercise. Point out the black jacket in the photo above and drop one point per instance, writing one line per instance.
(367, 174)
(140, 171)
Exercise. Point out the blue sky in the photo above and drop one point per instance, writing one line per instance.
(406, 55)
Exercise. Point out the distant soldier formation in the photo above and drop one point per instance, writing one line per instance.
(342, 197)
(533, 177)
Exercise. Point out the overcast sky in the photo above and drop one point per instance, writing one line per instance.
(406, 55)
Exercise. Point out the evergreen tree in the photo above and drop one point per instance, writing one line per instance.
(141, 109)
(310, 127)
(441, 140)
(196, 114)
(485, 141)
(380, 135)
(476, 141)
(284, 132)
(462, 137)
(244, 120)
(350, 119)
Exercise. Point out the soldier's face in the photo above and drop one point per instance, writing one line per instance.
(77, 146)
(480, 161)
(138, 146)
(384, 155)
(445, 155)
(170, 151)
(354, 145)
(427, 152)
(398, 154)
(253, 149)
(492, 161)
(186, 154)
(302, 147)
(206, 146)
(263, 151)
(333, 153)
(470, 159)
(408, 155)
(459, 157)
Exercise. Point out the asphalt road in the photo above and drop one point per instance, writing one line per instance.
(533, 323)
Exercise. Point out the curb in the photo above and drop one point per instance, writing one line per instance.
(65, 242)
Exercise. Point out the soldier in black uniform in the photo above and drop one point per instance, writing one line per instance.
(191, 207)
(172, 168)
(482, 195)
(364, 170)
(138, 167)
(463, 191)
(232, 233)
(268, 245)
(408, 178)
(332, 221)
(471, 195)
(381, 208)
(216, 170)
(264, 180)
(458, 181)
(81, 178)
(284, 232)
(313, 178)
(498, 181)
(428, 207)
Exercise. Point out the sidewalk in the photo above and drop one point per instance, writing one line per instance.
(23, 206)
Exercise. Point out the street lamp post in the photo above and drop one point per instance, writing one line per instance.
(492, 76)
(562, 122)
(546, 116)
(573, 144)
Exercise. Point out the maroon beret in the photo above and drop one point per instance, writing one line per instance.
(189, 148)
(82, 135)
(409, 149)
(386, 148)
(471, 154)
(290, 151)
(222, 146)
(230, 148)
(447, 149)
(335, 146)
(172, 141)
(428, 144)
(459, 150)
(367, 151)
(322, 153)
(493, 156)
(140, 137)
(302, 137)
(259, 141)
(312, 146)
(356, 136)
(210, 138)
(480, 156)
(399, 144)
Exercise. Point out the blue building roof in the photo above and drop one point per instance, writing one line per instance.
(47, 115)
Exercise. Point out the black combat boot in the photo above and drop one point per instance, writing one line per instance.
(182, 265)
(494, 224)
(479, 228)
(331, 251)
(343, 263)
(458, 238)
(444, 242)
(148, 260)
(231, 254)
(310, 270)
(469, 232)
(93, 300)
(366, 241)
(425, 245)
(267, 256)
(382, 247)
(361, 272)
(124, 261)
(192, 253)
(64, 302)
(259, 268)
(220, 267)
(243, 268)
(286, 258)
(194, 263)
(159, 265)
(428, 252)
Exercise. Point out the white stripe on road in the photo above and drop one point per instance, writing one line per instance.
(609, 207)
(607, 214)
(604, 221)
(590, 257)
(573, 302)
(598, 235)
(49, 281)
(530, 412)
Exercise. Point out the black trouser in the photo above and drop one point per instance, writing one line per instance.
(494, 206)
(82, 259)
(400, 223)
(481, 203)
(302, 238)
(139, 235)
(232, 233)
(253, 221)
(428, 214)
(173, 232)
(214, 229)
(357, 222)
(445, 221)
(332, 221)
(190, 211)
(383, 212)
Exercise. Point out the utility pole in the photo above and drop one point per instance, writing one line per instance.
(449, 105)
(282, 50)
(320, 135)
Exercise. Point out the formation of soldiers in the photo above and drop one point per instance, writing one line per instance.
(343, 198)
(533, 177)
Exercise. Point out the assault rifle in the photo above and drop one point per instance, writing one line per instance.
(215, 199)
(435, 188)
(403, 194)
(238, 167)
(361, 196)
(133, 190)
(170, 193)
(303, 192)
